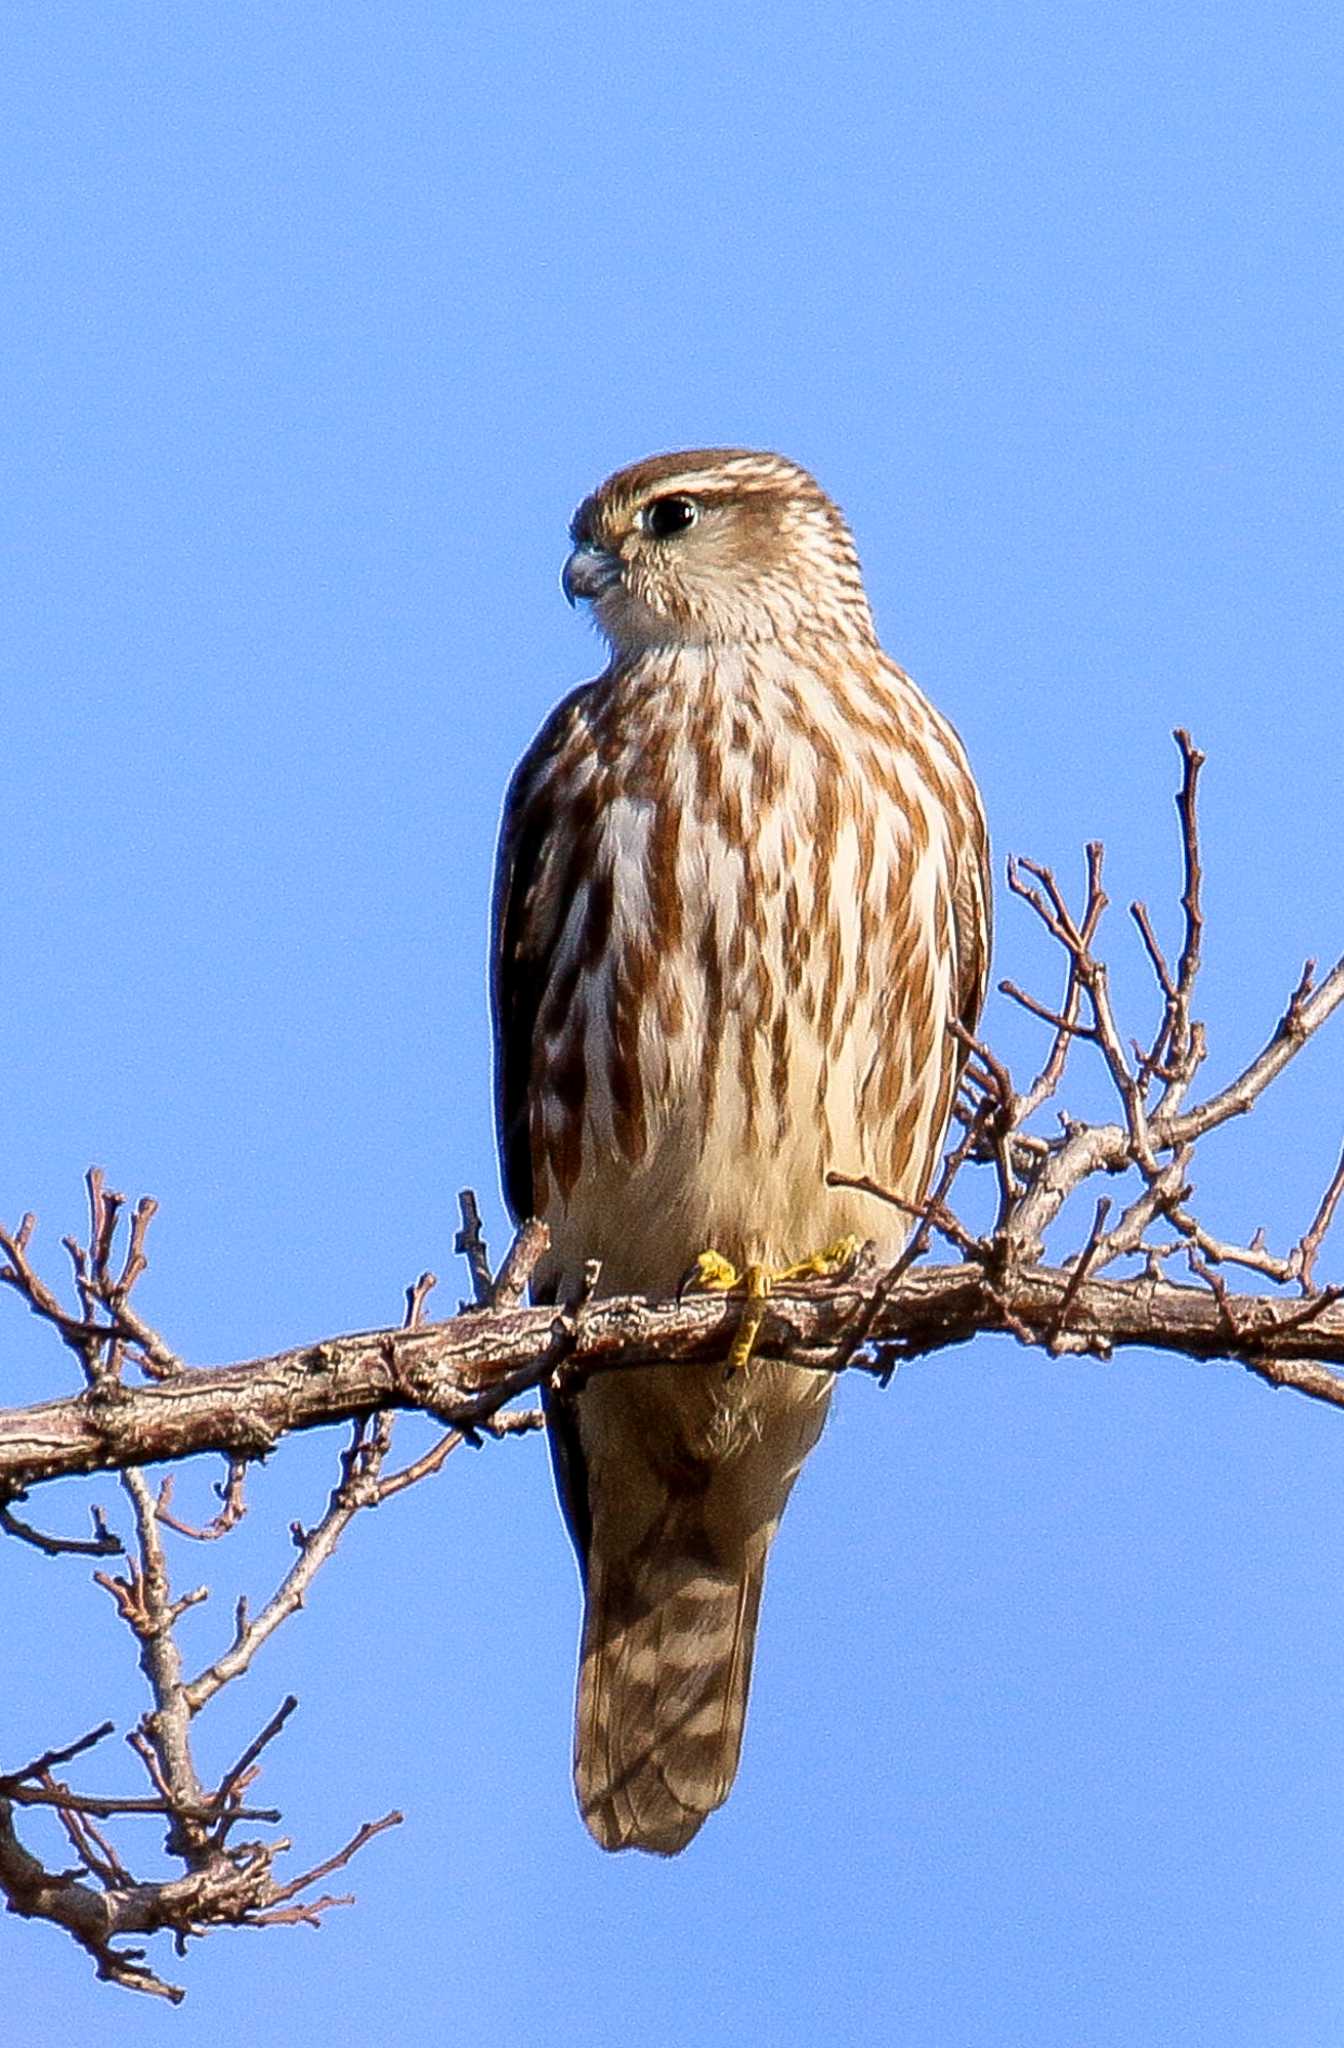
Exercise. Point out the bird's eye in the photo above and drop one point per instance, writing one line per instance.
(668, 516)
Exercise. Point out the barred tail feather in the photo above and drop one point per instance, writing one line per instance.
(666, 1667)
(684, 1477)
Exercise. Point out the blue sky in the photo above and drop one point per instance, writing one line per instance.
(316, 325)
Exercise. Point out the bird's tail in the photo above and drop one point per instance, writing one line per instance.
(666, 1665)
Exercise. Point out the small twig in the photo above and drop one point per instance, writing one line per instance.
(144, 1749)
(1157, 958)
(470, 1243)
(102, 1543)
(942, 1219)
(1052, 1072)
(90, 1844)
(918, 1241)
(416, 1296)
(1159, 1192)
(514, 1422)
(423, 1467)
(1047, 898)
(75, 1331)
(156, 1358)
(42, 1765)
(1061, 1023)
(1308, 1007)
(1314, 1235)
(1221, 1293)
(1253, 1257)
(1183, 1048)
(336, 1862)
(1314, 1307)
(1082, 1266)
(1003, 1111)
(356, 1488)
(135, 1262)
(113, 1807)
(232, 1778)
(531, 1240)
(229, 1516)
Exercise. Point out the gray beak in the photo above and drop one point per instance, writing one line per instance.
(588, 572)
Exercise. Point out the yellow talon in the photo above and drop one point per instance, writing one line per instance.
(825, 1264)
(714, 1273)
(718, 1275)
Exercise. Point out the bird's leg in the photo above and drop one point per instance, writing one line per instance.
(718, 1275)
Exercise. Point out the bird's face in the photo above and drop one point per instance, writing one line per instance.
(713, 547)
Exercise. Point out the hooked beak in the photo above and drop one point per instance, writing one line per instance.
(589, 572)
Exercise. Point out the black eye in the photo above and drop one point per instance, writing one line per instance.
(668, 516)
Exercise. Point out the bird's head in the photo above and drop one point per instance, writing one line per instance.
(717, 546)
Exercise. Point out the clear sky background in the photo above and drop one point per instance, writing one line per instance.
(316, 323)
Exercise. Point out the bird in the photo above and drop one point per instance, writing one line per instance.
(740, 933)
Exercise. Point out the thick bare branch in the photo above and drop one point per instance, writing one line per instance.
(464, 1370)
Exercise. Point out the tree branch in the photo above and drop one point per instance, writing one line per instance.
(465, 1370)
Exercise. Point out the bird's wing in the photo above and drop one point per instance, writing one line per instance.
(535, 882)
(972, 915)
(534, 885)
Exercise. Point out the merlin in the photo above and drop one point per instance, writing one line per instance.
(741, 908)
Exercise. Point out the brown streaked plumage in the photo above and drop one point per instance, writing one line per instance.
(742, 894)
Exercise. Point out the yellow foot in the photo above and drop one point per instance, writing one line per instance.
(714, 1273)
(826, 1264)
(718, 1275)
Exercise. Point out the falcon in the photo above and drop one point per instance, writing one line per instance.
(742, 900)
